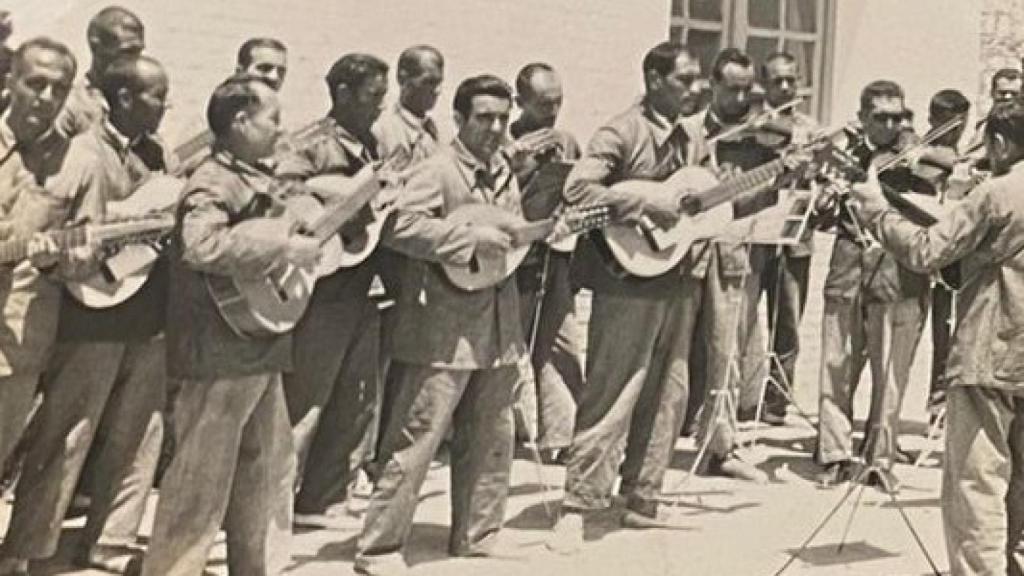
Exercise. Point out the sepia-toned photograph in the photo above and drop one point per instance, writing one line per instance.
(512, 287)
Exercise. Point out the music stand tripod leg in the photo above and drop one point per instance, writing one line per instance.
(531, 440)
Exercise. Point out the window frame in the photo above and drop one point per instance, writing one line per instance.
(735, 30)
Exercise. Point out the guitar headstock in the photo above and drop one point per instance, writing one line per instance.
(581, 218)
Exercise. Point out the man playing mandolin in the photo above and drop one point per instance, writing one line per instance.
(32, 153)
(108, 362)
(333, 389)
(455, 352)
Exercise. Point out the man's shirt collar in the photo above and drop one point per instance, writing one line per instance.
(494, 175)
(424, 125)
(348, 141)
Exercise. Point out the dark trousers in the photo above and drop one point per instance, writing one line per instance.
(478, 405)
(333, 397)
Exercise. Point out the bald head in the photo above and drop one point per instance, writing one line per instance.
(420, 73)
(42, 72)
(136, 89)
(114, 32)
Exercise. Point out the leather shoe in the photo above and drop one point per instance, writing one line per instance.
(567, 534)
(662, 520)
(114, 559)
(835, 473)
(732, 466)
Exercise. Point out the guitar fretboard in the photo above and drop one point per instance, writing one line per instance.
(730, 189)
(16, 250)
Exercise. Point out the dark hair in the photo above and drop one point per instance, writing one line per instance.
(879, 89)
(662, 58)
(111, 17)
(525, 76)
(1007, 119)
(249, 46)
(780, 55)
(1004, 74)
(409, 59)
(726, 57)
(123, 72)
(353, 70)
(482, 85)
(948, 102)
(41, 43)
(234, 95)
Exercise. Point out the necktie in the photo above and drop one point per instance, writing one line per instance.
(430, 128)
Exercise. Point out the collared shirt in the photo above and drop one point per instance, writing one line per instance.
(84, 108)
(222, 192)
(29, 301)
(868, 272)
(102, 166)
(438, 324)
(334, 150)
(985, 234)
(405, 139)
(632, 145)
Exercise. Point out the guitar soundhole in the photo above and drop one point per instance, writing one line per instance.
(354, 242)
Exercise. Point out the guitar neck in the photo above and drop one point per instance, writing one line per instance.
(366, 186)
(532, 231)
(733, 187)
(16, 250)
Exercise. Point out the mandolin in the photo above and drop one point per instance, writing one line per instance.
(489, 270)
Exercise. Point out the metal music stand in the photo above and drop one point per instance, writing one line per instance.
(858, 484)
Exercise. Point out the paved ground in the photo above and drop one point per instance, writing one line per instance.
(737, 529)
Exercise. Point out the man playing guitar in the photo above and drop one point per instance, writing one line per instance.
(107, 362)
(333, 389)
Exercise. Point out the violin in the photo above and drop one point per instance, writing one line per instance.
(769, 127)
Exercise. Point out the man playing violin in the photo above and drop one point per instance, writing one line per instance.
(786, 269)
(874, 310)
(455, 353)
(333, 389)
(982, 503)
(729, 314)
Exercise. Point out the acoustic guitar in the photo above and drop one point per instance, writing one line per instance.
(273, 304)
(705, 211)
(486, 270)
(126, 268)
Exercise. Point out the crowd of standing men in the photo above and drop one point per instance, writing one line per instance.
(391, 360)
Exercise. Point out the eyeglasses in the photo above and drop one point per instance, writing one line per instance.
(884, 117)
(780, 80)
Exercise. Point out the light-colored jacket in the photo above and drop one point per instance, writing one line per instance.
(985, 234)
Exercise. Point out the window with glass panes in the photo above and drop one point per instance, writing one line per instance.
(761, 27)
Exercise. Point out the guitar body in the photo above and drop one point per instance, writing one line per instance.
(486, 270)
(649, 252)
(267, 305)
(126, 273)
